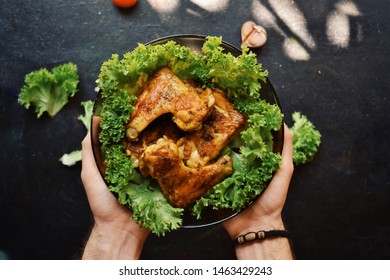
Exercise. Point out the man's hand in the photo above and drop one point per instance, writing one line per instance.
(114, 234)
(265, 213)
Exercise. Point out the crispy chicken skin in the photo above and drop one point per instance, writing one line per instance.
(163, 126)
(224, 123)
(181, 152)
(181, 185)
(198, 147)
(166, 93)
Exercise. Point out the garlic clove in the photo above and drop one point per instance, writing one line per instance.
(253, 35)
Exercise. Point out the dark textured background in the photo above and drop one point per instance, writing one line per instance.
(338, 205)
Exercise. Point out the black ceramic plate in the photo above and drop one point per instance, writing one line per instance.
(195, 43)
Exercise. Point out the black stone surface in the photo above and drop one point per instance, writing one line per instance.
(338, 206)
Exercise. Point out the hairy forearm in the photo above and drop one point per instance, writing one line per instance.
(113, 243)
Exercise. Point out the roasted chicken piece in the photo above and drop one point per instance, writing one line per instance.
(180, 152)
(181, 185)
(162, 126)
(223, 124)
(166, 93)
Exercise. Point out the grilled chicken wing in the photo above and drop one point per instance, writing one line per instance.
(181, 185)
(166, 93)
(224, 123)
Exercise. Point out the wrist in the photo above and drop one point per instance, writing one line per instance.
(277, 247)
(266, 223)
(115, 241)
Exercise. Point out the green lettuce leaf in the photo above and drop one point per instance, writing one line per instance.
(49, 91)
(306, 139)
(149, 205)
(87, 116)
(75, 156)
(71, 158)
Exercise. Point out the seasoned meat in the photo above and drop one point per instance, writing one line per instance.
(224, 123)
(181, 184)
(166, 93)
(163, 126)
(176, 133)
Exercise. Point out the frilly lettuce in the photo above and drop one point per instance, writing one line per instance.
(75, 156)
(306, 139)
(48, 91)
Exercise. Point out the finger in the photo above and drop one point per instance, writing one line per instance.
(90, 175)
(287, 153)
(281, 180)
(88, 163)
(95, 127)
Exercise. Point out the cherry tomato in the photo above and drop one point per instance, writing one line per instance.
(124, 3)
